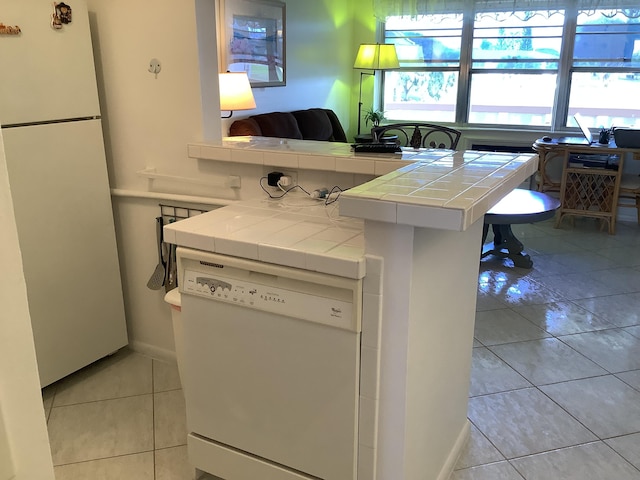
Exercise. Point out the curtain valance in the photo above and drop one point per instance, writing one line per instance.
(413, 8)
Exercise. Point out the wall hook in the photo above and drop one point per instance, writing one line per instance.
(154, 66)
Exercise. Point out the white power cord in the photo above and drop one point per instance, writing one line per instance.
(285, 181)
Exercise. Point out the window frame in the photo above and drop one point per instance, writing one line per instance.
(560, 118)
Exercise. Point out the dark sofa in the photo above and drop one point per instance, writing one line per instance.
(311, 124)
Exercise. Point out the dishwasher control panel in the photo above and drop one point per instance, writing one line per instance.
(274, 299)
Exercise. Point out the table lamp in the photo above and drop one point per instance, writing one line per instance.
(374, 57)
(235, 92)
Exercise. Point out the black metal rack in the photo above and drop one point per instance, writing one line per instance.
(173, 213)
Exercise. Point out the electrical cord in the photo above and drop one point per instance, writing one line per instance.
(328, 199)
(328, 196)
(284, 191)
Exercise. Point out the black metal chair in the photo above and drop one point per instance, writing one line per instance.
(419, 135)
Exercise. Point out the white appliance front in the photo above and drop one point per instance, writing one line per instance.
(272, 362)
(51, 74)
(60, 191)
(50, 118)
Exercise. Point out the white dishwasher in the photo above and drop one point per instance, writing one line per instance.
(272, 364)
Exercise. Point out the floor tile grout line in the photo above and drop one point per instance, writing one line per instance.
(510, 366)
(504, 458)
(621, 456)
(502, 391)
(101, 400)
(609, 373)
(554, 402)
(550, 383)
(621, 436)
(598, 438)
(570, 414)
(153, 415)
(517, 471)
(552, 335)
(585, 356)
(581, 444)
(589, 443)
(520, 457)
(563, 448)
(531, 384)
(537, 280)
(53, 400)
(104, 458)
(637, 389)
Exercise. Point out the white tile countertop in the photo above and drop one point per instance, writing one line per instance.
(297, 232)
(300, 154)
(425, 188)
(445, 191)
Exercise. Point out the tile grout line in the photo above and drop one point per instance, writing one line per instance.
(615, 327)
(153, 416)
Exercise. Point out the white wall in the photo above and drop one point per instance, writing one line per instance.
(22, 426)
(150, 120)
(6, 462)
(319, 60)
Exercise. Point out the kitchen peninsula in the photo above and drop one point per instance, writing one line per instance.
(413, 235)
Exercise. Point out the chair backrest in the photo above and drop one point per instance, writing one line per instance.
(419, 135)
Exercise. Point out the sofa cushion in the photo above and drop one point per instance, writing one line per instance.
(338, 131)
(311, 124)
(245, 127)
(314, 124)
(278, 124)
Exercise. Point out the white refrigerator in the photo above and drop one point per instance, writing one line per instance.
(50, 118)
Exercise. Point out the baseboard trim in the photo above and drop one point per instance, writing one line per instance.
(457, 449)
(154, 352)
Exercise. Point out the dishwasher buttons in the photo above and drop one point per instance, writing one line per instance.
(272, 299)
(213, 285)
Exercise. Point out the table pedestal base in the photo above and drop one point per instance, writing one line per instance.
(504, 239)
(519, 206)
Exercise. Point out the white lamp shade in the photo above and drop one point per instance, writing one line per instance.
(377, 57)
(235, 92)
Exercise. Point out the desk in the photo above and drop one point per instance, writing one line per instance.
(585, 190)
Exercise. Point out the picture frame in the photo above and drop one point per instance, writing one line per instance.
(255, 40)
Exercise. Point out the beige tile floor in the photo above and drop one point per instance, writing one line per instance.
(555, 391)
(118, 419)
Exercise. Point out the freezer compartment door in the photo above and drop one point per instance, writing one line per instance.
(47, 74)
(62, 203)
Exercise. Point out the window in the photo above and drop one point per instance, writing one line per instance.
(429, 56)
(531, 68)
(605, 72)
(514, 57)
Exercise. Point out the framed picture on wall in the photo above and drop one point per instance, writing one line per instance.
(254, 40)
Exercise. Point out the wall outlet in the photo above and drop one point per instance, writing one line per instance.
(273, 178)
(289, 173)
